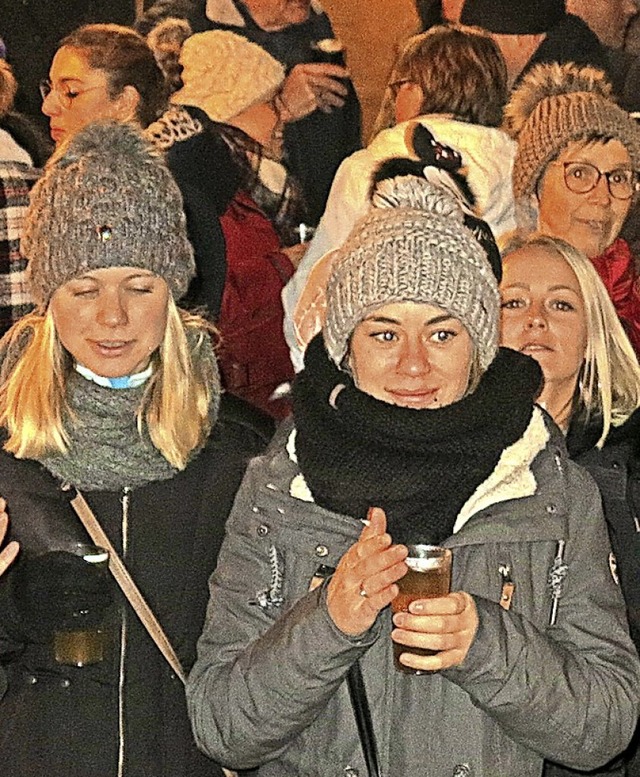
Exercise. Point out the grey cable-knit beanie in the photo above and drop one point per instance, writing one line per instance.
(106, 199)
(421, 253)
(555, 105)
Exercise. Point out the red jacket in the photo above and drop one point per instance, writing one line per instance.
(616, 268)
(253, 355)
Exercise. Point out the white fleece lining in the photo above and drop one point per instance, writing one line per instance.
(512, 478)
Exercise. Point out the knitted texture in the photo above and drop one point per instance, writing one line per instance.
(225, 74)
(106, 200)
(406, 254)
(513, 17)
(555, 105)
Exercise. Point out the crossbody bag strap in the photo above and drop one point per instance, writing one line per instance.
(127, 584)
(131, 590)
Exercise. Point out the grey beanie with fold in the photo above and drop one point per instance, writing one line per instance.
(421, 253)
(106, 199)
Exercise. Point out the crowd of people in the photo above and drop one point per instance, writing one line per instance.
(248, 359)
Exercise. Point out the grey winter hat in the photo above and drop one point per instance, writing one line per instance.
(106, 199)
(420, 253)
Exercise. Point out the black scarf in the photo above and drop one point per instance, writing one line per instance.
(356, 451)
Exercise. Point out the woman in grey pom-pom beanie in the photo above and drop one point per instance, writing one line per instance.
(110, 389)
(410, 426)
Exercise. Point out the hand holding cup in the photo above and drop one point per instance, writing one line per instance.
(364, 582)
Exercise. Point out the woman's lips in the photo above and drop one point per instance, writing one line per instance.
(413, 396)
(535, 348)
(111, 349)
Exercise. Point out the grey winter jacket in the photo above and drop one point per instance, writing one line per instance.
(555, 675)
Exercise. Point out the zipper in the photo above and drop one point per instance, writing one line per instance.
(125, 502)
(508, 586)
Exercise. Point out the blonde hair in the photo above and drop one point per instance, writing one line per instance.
(8, 87)
(609, 384)
(460, 71)
(175, 408)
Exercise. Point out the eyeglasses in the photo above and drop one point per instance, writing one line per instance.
(395, 86)
(582, 177)
(67, 97)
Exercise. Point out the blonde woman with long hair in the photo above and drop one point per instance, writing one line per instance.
(111, 390)
(556, 309)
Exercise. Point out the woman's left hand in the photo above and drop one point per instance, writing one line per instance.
(11, 551)
(447, 624)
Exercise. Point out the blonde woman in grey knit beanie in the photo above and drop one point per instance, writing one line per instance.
(110, 389)
(410, 426)
(575, 174)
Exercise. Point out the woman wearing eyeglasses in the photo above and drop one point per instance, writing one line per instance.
(576, 172)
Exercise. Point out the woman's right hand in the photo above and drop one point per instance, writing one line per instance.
(11, 551)
(364, 582)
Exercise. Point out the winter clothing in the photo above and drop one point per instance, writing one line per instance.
(315, 145)
(487, 155)
(405, 461)
(225, 74)
(75, 224)
(513, 17)
(16, 180)
(63, 721)
(615, 468)
(528, 687)
(616, 268)
(555, 105)
(253, 356)
(383, 262)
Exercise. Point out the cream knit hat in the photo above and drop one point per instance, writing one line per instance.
(421, 253)
(225, 74)
(555, 105)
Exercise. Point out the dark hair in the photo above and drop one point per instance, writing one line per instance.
(126, 59)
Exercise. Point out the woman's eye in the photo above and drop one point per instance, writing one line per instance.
(443, 335)
(384, 337)
(563, 305)
(141, 289)
(70, 94)
(84, 292)
(511, 304)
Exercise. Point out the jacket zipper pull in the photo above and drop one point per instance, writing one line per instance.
(556, 581)
(508, 586)
(320, 575)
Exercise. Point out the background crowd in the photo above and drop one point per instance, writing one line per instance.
(266, 346)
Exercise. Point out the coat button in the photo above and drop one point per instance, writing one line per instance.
(462, 770)
(351, 772)
(65, 683)
(322, 551)
(551, 509)
(31, 679)
(263, 530)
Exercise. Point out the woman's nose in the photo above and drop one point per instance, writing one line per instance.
(414, 358)
(111, 311)
(536, 318)
(600, 192)
(51, 104)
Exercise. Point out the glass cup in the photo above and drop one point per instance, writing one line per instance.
(330, 50)
(429, 576)
(82, 638)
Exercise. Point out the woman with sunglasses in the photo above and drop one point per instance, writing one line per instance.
(576, 172)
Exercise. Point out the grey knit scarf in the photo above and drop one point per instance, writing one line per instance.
(106, 451)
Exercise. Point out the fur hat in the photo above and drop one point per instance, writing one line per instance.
(416, 249)
(106, 199)
(555, 105)
(513, 17)
(224, 74)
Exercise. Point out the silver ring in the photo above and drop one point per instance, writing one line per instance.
(362, 592)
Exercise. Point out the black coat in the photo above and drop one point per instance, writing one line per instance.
(63, 721)
(313, 146)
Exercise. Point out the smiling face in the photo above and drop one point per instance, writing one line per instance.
(112, 320)
(413, 355)
(591, 221)
(543, 316)
(80, 94)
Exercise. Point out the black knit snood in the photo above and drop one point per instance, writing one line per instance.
(421, 466)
